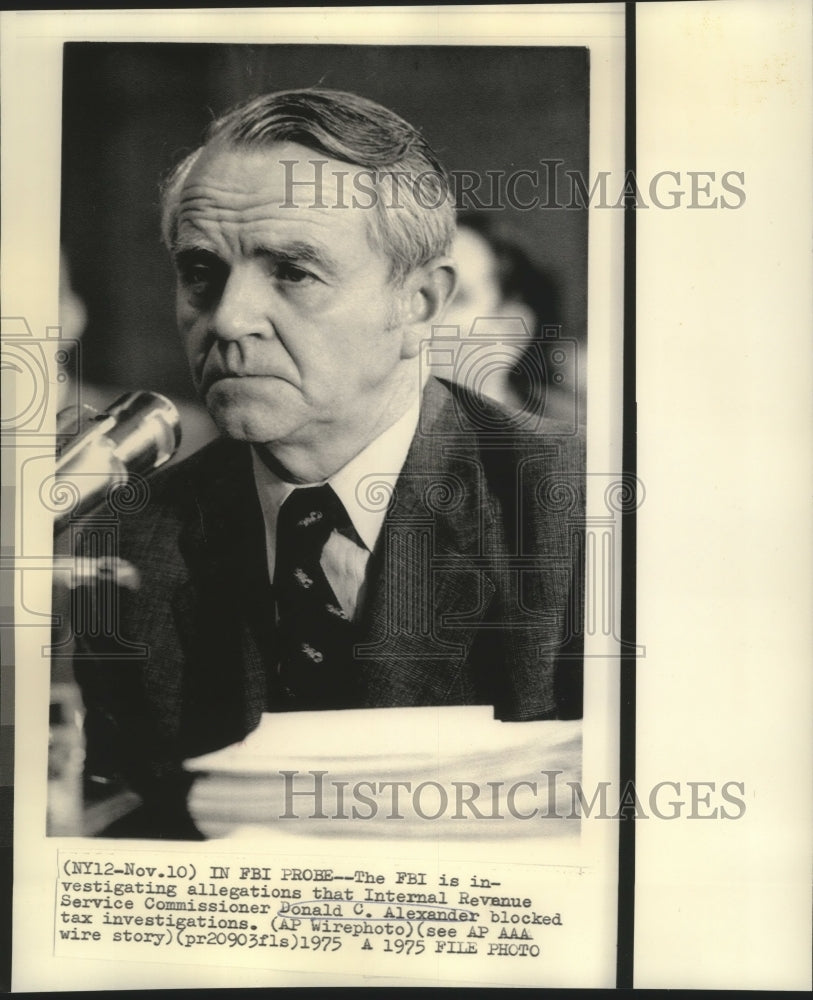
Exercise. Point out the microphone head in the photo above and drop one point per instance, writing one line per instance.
(146, 430)
(137, 434)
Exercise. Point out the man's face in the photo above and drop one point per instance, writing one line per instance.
(288, 315)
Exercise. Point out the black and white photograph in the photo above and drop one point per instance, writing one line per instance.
(325, 577)
(436, 460)
(394, 592)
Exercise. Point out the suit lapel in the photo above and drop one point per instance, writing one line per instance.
(427, 592)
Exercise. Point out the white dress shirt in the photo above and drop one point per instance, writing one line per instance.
(364, 485)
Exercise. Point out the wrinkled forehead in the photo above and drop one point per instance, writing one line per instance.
(282, 175)
(281, 190)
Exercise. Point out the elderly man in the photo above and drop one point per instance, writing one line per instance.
(362, 535)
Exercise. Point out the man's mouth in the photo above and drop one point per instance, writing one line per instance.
(230, 376)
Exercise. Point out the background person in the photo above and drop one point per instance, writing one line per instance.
(502, 293)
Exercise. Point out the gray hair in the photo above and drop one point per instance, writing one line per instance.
(412, 223)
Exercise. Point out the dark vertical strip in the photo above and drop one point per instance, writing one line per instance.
(6, 721)
(626, 830)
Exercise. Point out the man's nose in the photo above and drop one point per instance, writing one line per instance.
(243, 309)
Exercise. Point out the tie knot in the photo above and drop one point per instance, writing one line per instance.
(311, 512)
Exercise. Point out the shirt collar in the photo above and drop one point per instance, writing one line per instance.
(382, 459)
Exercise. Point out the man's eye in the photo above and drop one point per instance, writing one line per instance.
(197, 277)
(293, 273)
(200, 276)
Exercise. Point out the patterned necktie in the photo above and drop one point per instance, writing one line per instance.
(316, 638)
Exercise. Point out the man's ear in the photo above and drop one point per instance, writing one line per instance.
(426, 293)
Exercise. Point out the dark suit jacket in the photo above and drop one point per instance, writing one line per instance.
(470, 593)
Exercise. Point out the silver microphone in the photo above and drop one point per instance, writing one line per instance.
(136, 434)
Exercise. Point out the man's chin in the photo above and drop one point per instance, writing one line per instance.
(245, 414)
